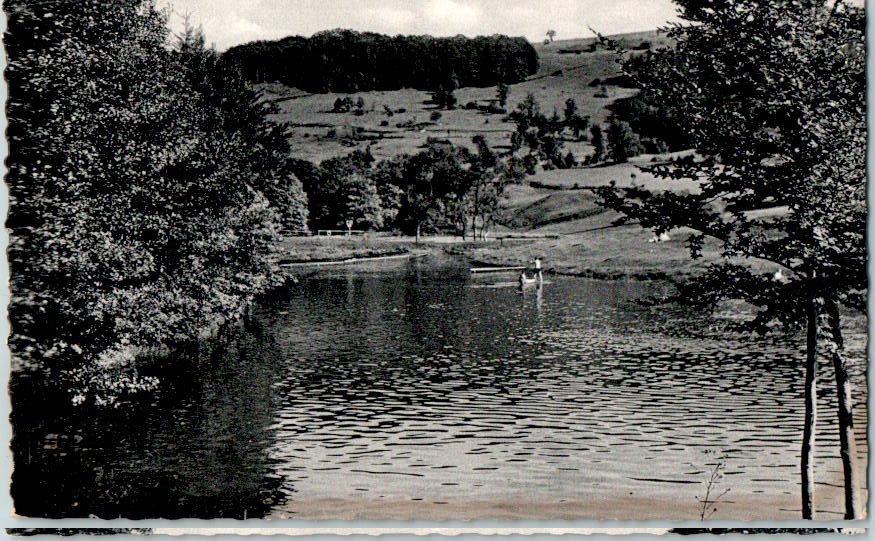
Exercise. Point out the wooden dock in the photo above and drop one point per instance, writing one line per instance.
(409, 255)
(479, 270)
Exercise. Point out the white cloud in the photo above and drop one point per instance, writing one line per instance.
(234, 25)
(395, 20)
(448, 15)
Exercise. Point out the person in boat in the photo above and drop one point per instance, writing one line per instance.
(538, 272)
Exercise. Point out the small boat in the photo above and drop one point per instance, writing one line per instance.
(526, 281)
(536, 275)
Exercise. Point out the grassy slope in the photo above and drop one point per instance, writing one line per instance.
(589, 243)
(312, 119)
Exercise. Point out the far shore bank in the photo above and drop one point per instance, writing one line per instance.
(625, 255)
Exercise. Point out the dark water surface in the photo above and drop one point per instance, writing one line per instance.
(412, 381)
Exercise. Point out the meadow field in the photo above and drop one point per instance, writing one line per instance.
(558, 201)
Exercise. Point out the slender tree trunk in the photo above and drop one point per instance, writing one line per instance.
(417, 233)
(847, 441)
(807, 459)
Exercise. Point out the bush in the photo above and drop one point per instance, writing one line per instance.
(444, 97)
(435, 116)
(342, 105)
(569, 160)
(623, 143)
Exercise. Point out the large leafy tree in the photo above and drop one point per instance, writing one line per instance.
(772, 94)
(140, 212)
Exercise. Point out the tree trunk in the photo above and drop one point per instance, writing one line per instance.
(807, 459)
(847, 441)
(417, 233)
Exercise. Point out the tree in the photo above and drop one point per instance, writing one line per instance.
(597, 141)
(773, 97)
(142, 213)
(361, 201)
(503, 91)
(571, 111)
(443, 97)
(342, 105)
(343, 189)
(551, 34)
(623, 143)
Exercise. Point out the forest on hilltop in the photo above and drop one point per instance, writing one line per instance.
(350, 61)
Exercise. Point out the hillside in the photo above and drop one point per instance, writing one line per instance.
(316, 133)
(557, 201)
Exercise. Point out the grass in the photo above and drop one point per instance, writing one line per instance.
(559, 201)
(317, 134)
(313, 249)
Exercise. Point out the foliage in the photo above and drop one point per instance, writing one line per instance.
(539, 134)
(444, 97)
(502, 92)
(349, 61)
(441, 186)
(597, 141)
(144, 202)
(651, 120)
(623, 143)
(772, 95)
(340, 189)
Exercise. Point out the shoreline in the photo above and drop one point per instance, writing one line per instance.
(330, 251)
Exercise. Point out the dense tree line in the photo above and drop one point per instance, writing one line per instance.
(349, 61)
(146, 190)
(444, 187)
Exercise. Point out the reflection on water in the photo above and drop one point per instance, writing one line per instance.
(413, 383)
(199, 450)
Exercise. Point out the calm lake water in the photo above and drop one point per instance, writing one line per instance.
(412, 381)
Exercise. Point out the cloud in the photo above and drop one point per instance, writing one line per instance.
(230, 22)
(449, 15)
(393, 19)
(235, 25)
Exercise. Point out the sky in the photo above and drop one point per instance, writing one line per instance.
(231, 22)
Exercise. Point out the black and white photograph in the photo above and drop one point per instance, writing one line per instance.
(437, 260)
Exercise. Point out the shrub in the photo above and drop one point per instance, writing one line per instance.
(623, 143)
(569, 160)
(342, 105)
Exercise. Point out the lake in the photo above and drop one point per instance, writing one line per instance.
(412, 390)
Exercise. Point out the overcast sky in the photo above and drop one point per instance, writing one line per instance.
(230, 22)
